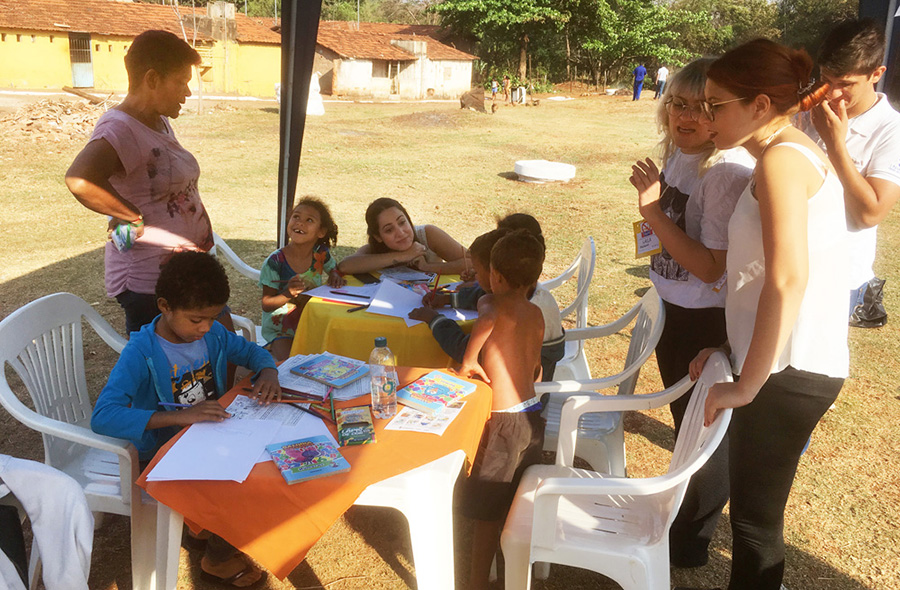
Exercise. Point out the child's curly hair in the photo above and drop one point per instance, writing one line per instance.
(325, 218)
(192, 280)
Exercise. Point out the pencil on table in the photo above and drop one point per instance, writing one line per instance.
(331, 394)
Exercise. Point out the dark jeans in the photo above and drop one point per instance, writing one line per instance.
(767, 438)
(687, 332)
(140, 309)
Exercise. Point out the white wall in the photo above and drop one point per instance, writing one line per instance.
(449, 79)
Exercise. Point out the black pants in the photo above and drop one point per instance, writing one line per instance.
(140, 309)
(687, 332)
(767, 439)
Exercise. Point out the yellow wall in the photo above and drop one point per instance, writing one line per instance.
(250, 70)
(31, 60)
(258, 70)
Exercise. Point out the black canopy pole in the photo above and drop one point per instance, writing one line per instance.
(299, 27)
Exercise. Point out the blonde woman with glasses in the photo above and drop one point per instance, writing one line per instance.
(688, 205)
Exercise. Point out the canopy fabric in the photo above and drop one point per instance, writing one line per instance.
(299, 26)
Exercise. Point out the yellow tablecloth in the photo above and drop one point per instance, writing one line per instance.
(325, 325)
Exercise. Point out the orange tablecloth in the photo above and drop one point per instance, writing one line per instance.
(276, 523)
(325, 325)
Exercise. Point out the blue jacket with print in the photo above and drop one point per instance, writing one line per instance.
(140, 380)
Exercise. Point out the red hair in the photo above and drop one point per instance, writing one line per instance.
(765, 67)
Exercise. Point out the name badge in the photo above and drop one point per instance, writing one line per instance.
(645, 241)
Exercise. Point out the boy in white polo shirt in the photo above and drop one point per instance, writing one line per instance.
(860, 131)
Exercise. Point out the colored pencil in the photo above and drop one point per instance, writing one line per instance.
(311, 412)
(350, 294)
(331, 393)
(173, 405)
(358, 308)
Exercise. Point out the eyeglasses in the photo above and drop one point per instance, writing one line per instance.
(676, 107)
(709, 108)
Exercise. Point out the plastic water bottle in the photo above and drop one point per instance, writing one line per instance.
(384, 379)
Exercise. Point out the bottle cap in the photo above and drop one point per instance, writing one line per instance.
(380, 342)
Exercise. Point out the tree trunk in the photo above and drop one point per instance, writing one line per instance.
(523, 56)
(568, 56)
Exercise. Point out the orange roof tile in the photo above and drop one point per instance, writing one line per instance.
(373, 40)
(115, 18)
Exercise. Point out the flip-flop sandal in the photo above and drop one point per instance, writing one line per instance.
(230, 581)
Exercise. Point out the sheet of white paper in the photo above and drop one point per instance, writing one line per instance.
(395, 301)
(458, 314)
(244, 408)
(364, 292)
(403, 273)
(216, 451)
(415, 421)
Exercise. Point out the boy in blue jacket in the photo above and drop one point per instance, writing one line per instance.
(181, 358)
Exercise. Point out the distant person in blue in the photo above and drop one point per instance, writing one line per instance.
(640, 73)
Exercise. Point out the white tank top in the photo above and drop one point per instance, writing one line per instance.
(818, 339)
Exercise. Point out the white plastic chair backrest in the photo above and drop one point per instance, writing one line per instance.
(583, 265)
(42, 342)
(696, 441)
(645, 336)
(221, 248)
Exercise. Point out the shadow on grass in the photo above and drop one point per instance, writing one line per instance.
(387, 532)
(511, 175)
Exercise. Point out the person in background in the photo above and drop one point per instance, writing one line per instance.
(304, 263)
(135, 171)
(394, 240)
(688, 205)
(860, 132)
(640, 72)
(494, 88)
(786, 307)
(507, 83)
(662, 74)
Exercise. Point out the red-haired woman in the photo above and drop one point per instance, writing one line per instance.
(785, 309)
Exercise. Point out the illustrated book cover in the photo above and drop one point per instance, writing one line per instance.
(309, 458)
(331, 369)
(433, 392)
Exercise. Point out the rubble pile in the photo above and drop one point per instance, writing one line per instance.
(54, 119)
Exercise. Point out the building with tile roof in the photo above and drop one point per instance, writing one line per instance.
(82, 43)
(388, 60)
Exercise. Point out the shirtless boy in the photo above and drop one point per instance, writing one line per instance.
(505, 351)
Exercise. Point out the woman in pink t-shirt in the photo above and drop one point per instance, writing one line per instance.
(135, 171)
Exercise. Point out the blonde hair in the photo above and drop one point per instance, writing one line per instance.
(688, 83)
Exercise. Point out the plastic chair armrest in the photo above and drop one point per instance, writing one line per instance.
(233, 259)
(244, 325)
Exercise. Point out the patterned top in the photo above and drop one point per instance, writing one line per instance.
(160, 179)
(275, 273)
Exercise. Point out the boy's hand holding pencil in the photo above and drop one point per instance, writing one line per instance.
(266, 388)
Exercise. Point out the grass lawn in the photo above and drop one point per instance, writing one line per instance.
(453, 168)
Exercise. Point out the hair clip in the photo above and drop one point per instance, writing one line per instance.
(805, 89)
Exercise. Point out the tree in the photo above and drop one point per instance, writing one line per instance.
(804, 23)
(727, 23)
(609, 35)
(501, 19)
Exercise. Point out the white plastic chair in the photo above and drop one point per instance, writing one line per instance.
(601, 437)
(42, 343)
(615, 526)
(244, 325)
(583, 265)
